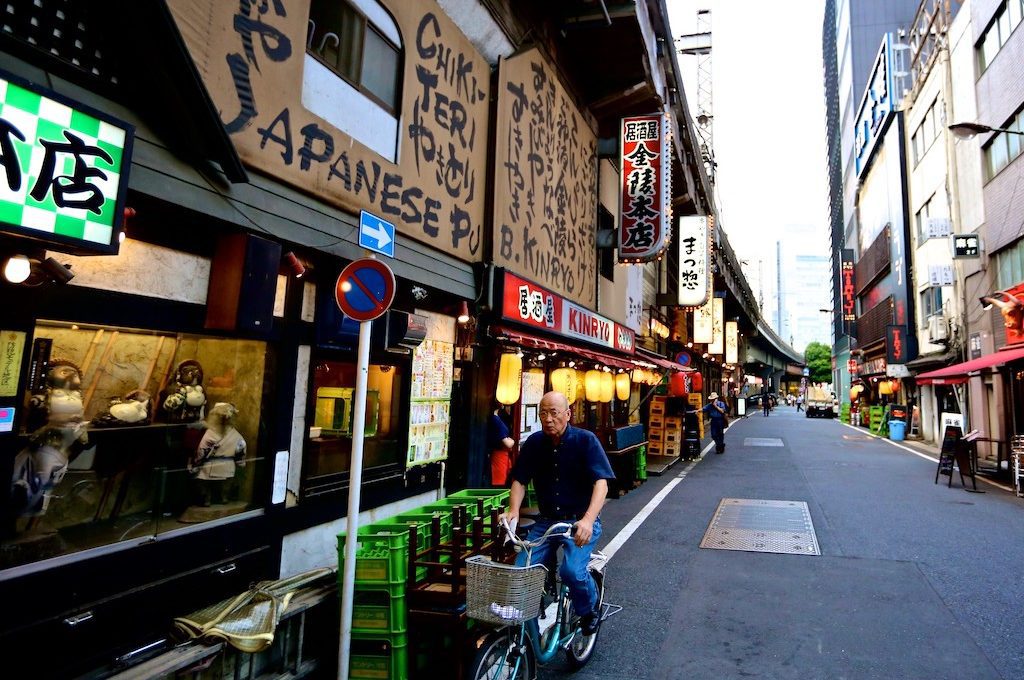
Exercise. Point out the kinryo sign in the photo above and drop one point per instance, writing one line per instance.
(694, 247)
(65, 170)
(527, 303)
(645, 208)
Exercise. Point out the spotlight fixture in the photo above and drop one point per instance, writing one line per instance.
(419, 293)
(294, 264)
(463, 312)
(60, 273)
(32, 271)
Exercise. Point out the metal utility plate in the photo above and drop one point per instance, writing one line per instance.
(753, 525)
(658, 465)
(762, 441)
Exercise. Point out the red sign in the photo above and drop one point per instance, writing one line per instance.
(896, 344)
(365, 289)
(1014, 335)
(851, 366)
(527, 303)
(849, 289)
(646, 171)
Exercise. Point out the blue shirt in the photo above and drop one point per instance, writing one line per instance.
(496, 431)
(714, 412)
(563, 476)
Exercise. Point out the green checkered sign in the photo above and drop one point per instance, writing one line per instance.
(63, 169)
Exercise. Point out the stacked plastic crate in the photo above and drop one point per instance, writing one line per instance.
(664, 432)
(380, 635)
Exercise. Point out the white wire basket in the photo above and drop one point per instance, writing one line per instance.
(501, 593)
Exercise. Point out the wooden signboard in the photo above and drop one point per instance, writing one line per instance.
(955, 450)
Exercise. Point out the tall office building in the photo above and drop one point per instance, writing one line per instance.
(801, 264)
(851, 34)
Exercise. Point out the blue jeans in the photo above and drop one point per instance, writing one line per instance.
(573, 571)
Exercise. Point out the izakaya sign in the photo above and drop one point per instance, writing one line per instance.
(849, 290)
(646, 171)
(694, 254)
(527, 303)
(65, 170)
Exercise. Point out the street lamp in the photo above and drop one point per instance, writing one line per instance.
(968, 130)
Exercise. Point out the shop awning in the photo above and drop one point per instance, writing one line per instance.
(664, 363)
(536, 342)
(959, 373)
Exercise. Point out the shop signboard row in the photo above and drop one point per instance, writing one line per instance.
(527, 303)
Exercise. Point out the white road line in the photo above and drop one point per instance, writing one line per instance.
(627, 531)
(919, 454)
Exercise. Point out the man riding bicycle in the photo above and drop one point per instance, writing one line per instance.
(570, 473)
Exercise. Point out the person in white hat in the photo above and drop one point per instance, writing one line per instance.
(717, 410)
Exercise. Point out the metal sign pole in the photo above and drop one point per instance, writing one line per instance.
(355, 482)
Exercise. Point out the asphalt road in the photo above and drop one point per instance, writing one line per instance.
(914, 580)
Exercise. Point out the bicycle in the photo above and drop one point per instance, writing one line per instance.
(512, 597)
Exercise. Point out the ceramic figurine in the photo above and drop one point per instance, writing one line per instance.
(184, 399)
(221, 450)
(132, 409)
(41, 465)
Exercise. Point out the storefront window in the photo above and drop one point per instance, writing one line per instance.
(328, 455)
(129, 433)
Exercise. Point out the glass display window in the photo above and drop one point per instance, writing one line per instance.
(328, 453)
(130, 433)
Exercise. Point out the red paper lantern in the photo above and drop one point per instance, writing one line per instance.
(698, 382)
(677, 385)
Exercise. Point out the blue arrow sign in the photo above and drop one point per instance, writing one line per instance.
(375, 234)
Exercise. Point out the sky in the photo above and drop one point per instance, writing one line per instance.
(769, 120)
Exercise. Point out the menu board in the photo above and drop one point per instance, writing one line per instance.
(433, 363)
(529, 412)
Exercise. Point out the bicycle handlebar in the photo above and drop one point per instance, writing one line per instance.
(523, 543)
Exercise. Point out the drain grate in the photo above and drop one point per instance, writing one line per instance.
(753, 525)
(762, 441)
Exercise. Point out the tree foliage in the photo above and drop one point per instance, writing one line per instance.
(818, 358)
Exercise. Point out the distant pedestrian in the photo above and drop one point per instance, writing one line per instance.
(766, 402)
(499, 438)
(800, 403)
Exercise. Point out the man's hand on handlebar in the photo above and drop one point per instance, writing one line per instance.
(584, 529)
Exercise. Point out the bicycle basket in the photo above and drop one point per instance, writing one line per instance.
(501, 593)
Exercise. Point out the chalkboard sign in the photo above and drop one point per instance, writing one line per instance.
(955, 450)
(947, 455)
(898, 412)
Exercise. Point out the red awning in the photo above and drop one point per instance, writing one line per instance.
(959, 373)
(533, 341)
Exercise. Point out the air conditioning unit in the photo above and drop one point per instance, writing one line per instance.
(938, 329)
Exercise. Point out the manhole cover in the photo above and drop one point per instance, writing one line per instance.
(762, 526)
(762, 441)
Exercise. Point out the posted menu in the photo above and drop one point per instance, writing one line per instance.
(433, 363)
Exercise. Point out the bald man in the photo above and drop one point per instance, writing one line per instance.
(570, 472)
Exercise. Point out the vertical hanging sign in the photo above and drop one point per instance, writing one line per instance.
(732, 342)
(849, 288)
(703, 330)
(717, 345)
(694, 255)
(645, 210)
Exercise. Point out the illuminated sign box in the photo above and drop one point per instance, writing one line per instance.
(63, 170)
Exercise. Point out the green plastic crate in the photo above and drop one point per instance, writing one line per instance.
(641, 464)
(382, 561)
(384, 657)
(494, 499)
(377, 611)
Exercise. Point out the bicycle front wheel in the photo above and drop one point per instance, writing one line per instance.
(504, 655)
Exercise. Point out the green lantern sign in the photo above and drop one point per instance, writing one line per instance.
(63, 170)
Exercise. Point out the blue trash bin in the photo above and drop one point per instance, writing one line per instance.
(897, 430)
